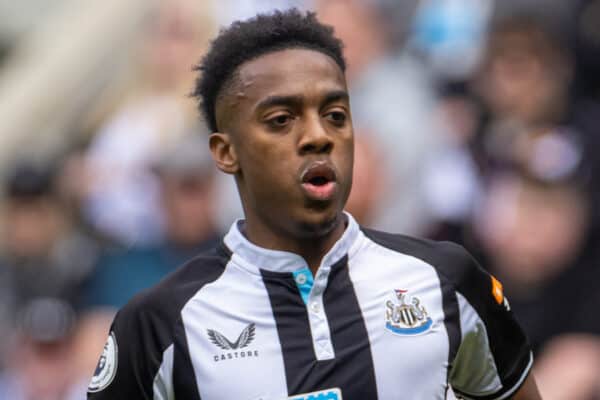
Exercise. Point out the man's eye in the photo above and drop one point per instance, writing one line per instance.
(280, 120)
(337, 116)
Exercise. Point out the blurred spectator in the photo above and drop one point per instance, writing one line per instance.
(123, 195)
(535, 235)
(40, 361)
(569, 368)
(73, 185)
(533, 121)
(526, 73)
(43, 256)
(451, 178)
(532, 230)
(185, 175)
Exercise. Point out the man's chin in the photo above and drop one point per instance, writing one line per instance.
(319, 224)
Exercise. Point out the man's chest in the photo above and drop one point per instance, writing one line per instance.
(363, 339)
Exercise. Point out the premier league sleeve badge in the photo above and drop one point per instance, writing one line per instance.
(107, 366)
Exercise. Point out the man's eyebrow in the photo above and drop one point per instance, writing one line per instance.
(336, 95)
(297, 100)
(291, 101)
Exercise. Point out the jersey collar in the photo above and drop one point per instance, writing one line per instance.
(253, 257)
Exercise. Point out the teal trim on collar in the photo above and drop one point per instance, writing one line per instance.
(304, 281)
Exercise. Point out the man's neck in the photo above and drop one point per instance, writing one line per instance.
(311, 248)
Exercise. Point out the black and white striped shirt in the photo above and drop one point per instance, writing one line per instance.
(386, 317)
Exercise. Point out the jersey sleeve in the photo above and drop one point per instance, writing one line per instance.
(493, 358)
(131, 365)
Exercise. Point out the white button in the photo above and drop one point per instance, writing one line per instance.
(315, 307)
(301, 279)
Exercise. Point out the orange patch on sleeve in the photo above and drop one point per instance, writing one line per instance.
(497, 290)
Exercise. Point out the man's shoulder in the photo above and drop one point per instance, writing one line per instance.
(165, 300)
(451, 260)
(456, 269)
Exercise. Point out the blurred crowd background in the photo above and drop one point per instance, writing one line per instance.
(476, 121)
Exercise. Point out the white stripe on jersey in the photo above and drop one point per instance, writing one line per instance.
(162, 386)
(482, 378)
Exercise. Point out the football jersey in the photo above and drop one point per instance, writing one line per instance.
(385, 317)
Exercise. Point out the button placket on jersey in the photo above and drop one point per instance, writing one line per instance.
(318, 319)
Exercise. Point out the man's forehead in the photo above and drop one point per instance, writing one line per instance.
(290, 70)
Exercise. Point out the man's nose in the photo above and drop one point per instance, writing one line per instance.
(315, 138)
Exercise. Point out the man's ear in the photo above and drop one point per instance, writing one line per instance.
(223, 152)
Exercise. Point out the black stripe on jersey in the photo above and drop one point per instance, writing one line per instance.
(425, 251)
(352, 368)
(184, 379)
(349, 335)
(451, 317)
(293, 329)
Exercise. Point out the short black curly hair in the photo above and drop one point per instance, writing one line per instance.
(247, 40)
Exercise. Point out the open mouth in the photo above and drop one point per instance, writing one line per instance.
(319, 181)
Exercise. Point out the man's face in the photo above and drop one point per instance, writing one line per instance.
(288, 119)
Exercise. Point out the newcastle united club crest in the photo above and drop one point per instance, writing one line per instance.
(404, 314)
